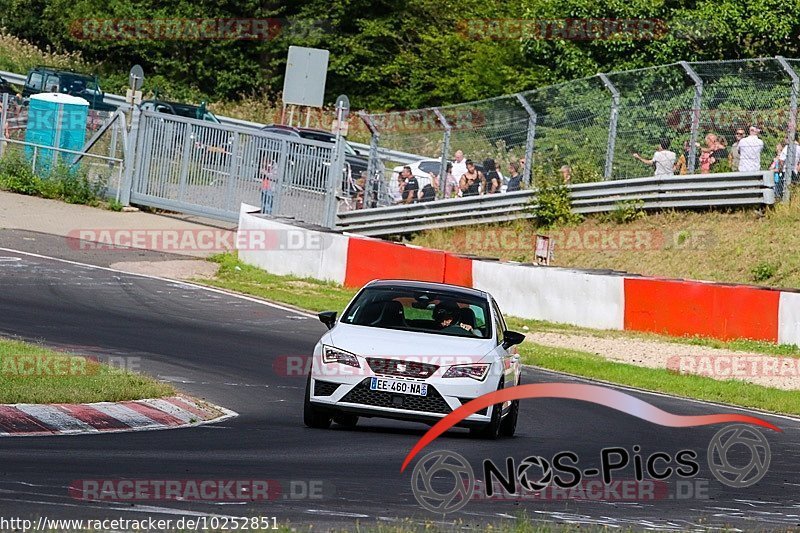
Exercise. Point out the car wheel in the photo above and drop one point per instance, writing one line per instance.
(509, 424)
(346, 420)
(491, 430)
(313, 416)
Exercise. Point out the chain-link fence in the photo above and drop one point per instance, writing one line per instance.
(589, 129)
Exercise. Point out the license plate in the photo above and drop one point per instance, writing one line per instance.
(400, 387)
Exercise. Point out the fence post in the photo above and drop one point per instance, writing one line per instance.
(527, 172)
(373, 183)
(130, 157)
(696, 103)
(612, 124)
(3, 122)
(791, 127)
(335, 175)
(445, 150)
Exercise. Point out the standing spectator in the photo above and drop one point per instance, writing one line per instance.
(473, 182)
(682, 165)
(428, 192)
(707, 153)
(720, 152)
(663, 159)
(515, 181)
(450, 182)
(750, 151)
(493, 180)
(733, 156)
(269, 175)
(459, 165)
(396, 192)
(566, 174)
(784, 153)
(410, 186)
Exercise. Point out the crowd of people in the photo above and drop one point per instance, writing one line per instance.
(744, 155)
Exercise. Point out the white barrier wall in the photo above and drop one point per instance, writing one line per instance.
(553, 294)
(789, 318)
(290, 250)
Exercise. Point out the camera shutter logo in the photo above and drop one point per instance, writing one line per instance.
(460, 484)
(738, 436)
(526, 481)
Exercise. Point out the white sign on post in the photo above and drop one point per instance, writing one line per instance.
(306, 71)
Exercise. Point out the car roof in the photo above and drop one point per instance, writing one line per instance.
(427, 285)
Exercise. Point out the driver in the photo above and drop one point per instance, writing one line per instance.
(445, 317)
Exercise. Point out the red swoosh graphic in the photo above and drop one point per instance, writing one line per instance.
(574, 391)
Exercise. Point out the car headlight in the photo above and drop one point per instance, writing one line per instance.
(477, 372)
(334, 355)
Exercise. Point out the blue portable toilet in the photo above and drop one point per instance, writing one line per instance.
(55, 119)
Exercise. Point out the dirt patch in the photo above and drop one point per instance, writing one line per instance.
(180, 269)
(766, 370)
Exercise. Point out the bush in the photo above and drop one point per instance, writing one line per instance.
(554, 206)
(763, 272)
(70, 185)
(626, 211)
(17, 176)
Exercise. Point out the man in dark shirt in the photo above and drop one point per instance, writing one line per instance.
(410, 186)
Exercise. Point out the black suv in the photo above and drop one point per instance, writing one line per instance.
(358, 162)
(182, 110)
(5, 87)
(52, 80)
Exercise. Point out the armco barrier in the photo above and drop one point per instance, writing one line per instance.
(583, 298)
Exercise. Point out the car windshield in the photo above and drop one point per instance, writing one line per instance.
(426, 311)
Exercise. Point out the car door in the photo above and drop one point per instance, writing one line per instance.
(510, 357)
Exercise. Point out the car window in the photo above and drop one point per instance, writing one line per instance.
(52, 83)
(500, 323)
(426, 311)
(35, 81)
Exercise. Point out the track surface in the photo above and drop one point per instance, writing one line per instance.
(223, 348)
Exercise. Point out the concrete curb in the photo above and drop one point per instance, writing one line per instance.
(28, 420)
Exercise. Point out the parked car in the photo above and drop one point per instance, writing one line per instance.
(358, 163)
(390, 355)
(182, 110)
(6, 87)
(52, 80)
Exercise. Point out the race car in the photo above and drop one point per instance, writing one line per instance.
(412, 350)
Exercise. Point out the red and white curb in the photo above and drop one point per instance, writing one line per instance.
(25, 419)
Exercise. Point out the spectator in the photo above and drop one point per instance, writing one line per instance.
(720, 152)
(268, 174)
(450, 182)
(682, 165)
(473, 182)
(428, 192)
(493, 180)
(784, 153)
(396, 192)
(707, 153)
(750, 151)
(459, 165)
(733, 156)
(515, 182)
(566, 174)
(361, 187)
(663, 159)
(410, 187)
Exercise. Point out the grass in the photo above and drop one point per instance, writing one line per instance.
(655, 379)
(737, 246)
(315, 295)
(30, 373)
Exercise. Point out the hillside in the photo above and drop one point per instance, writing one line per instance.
(742, 246)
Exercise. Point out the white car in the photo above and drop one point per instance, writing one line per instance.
(420, 170)
(412, 350)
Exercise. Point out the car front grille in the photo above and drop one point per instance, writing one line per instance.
(406, 369)
(479, 411)
(432, 403)
(324, 388)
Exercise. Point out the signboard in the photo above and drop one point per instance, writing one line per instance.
(306, 71)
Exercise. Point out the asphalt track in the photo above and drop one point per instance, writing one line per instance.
(224, 348)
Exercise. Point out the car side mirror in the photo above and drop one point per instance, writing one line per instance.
(512, 338)
(328, 318)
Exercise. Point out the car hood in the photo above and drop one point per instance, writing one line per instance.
(378, 342)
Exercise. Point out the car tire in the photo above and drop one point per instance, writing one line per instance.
(313, 417)
(491, 430)
(509, 424)
(346, 420)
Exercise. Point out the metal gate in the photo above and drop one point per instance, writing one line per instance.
(206, 169)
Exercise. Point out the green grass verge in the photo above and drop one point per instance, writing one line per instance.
(315, 295)
(30, 373)
(661, 380)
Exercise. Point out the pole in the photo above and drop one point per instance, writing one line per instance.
(696, 103)
(528, 170)
(612, 125)
(791, 163)
(445, 150)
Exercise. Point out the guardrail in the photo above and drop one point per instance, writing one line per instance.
(401, 157)
(697, 190)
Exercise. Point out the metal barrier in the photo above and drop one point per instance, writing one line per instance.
(698, 190)
(207, 169)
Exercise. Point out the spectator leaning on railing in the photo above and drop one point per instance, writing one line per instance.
(663, 159)
(473, 182)
(459, 165)
(493, 180)
(782, 159)
(750, 151)
(515, 181)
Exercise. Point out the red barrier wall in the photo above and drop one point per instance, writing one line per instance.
(457, 270)
(369, 259)
(683, 308)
